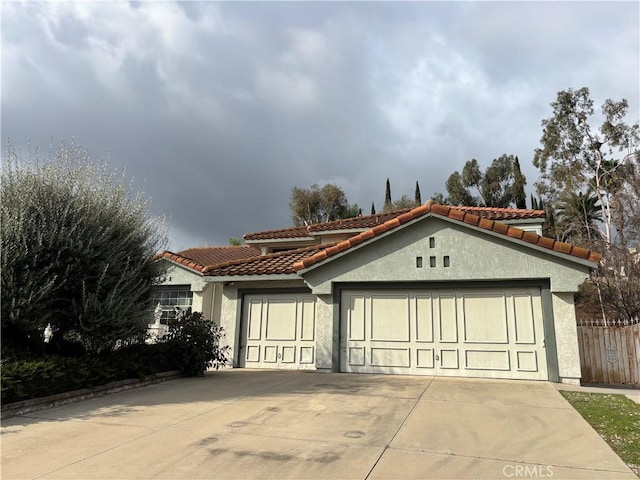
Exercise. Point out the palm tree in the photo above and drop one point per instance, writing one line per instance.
(578, 214)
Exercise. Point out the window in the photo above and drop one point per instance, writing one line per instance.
(170, 298)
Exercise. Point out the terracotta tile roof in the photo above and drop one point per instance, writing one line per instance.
(503, 213)
(366, 221)
(370, 221)
(203, 257)
(269, 264)
(291, 232)
(459, 215)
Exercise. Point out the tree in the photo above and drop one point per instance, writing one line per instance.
(352, 211)
(574, 157)
(417, 196)
(76, 253)
(498, 183)
(402, 203)
(457, 193)
(472, 177)
(235, 242)
(320, 204)
(519, 181)
(597, 170)
(387, 197)
(578, 214)
(438, 197)
(501, 184)
(373, 209)
(534, 202)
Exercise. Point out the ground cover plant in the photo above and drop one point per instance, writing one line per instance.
(616, 418)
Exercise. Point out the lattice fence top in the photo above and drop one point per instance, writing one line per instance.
(608, 323)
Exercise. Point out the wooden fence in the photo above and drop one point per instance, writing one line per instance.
(610, 354)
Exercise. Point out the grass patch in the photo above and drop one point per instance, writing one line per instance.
(616, 418)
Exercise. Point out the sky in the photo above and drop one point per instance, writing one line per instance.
(218, 109)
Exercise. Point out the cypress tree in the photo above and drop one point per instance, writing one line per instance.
(519, 181)
(418, 197)
(387, 197)
(373, 209)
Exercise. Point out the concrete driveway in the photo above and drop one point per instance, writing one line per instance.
(276, 424)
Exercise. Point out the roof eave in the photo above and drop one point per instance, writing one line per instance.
(520, 221)
(341, 232)
(178, 264)
(280, 240)
(250, 278)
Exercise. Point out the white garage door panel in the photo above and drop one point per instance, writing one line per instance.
(279, 331)
(389, 318)
(493, 333)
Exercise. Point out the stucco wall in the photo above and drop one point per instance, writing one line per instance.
(566, 338)
(176, 275)
(324, 332)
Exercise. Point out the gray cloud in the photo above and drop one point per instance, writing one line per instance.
(219, 109)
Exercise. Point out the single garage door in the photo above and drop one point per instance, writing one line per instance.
(278, 331)
(495, 333)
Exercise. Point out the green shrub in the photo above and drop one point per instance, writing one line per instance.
(195, 342)
(27, 379)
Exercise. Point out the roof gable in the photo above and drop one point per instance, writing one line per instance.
(458, 215)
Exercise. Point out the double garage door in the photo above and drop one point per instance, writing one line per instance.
(495, 333)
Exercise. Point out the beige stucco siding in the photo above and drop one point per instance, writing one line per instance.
(325, 323)
(566, 338)
(473, 256)
(177, 275)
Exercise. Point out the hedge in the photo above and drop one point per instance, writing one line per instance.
(27, 379)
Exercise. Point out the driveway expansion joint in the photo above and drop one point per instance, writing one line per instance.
(386, 447)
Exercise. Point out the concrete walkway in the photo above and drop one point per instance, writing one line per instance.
(275, 424)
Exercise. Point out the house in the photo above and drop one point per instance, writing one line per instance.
(434, 290)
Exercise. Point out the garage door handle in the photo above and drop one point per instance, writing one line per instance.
(437, 357)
